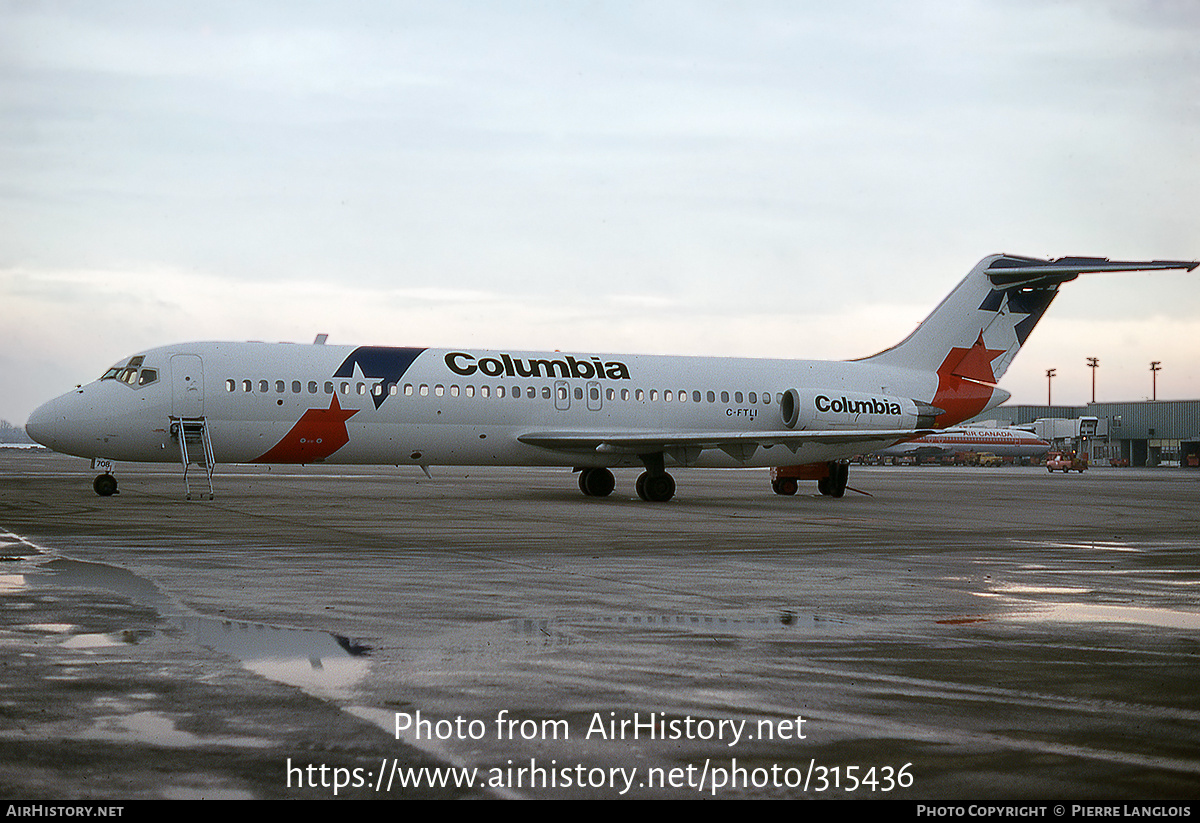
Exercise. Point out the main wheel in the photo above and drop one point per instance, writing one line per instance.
(841, 476)
(597, 482)
(786, 485)
(655, 488)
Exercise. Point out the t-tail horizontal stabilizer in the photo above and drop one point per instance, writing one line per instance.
(972, 337)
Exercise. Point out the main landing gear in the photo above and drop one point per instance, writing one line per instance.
(596, 482)
(655, 488)
(653, 485)
(831, 478)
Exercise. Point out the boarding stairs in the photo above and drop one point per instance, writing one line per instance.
(195, 448)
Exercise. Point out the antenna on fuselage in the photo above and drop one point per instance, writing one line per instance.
(320, 341)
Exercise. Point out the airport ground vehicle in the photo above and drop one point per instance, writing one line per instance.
(1066, 462)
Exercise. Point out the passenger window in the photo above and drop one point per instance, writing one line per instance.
(667, 396)
(724, 397)
(408, 389)
(653, 395)
(696, 397)
(295, 387)
(682, 396)
(578, 393)
(329, 387)
(312, 386)
(362, 388)
(562, 393)
(753, 398)
(545, 392)
(229, 385)
(264, 386)
(610, 394)
(499, 391)
(439, 390)
(454, 391)
(484, 391)
(247, 386)
(639, 395)
(279, 386)
(470, 391)
(712, 397)
(624, 394)
(737, 397)
(345, 387)
(424, 390)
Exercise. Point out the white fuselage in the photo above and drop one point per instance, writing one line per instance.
(212, 403)
(292, 403)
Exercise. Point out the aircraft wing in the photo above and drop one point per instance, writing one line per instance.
(739, 445)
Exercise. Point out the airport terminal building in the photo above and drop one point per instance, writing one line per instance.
(1144, 433)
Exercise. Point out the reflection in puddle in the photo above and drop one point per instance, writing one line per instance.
(1013, 588)
(159, 729)
(319, 662)
(1102, 545)
(91, 641)
(1097, 613)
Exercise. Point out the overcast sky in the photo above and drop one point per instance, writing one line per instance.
(754, 178)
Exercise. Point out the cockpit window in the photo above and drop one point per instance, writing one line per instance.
(132, 373)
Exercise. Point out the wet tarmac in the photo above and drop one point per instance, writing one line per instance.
(955, 634)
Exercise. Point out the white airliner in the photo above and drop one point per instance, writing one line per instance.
(1000, 442)
(204, 403)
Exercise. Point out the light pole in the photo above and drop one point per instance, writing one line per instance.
(1155, 368)
(1093, 364)
(1049, 377)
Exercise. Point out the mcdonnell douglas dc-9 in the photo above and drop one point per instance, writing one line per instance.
(206, 403)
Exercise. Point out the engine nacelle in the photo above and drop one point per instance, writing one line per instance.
(850, 411)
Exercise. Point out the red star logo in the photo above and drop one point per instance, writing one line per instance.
(316, 435)
(965, 382)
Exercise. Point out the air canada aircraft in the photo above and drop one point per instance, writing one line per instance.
(200, 404)
(1000, 442)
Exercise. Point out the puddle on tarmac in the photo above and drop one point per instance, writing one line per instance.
(1103, 613)
(320, 663)
(1061, 604)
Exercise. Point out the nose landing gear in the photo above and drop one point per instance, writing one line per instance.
(105, 485)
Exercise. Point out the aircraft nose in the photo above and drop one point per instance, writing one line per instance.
(45, 424)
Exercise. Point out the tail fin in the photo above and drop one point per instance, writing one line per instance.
(972, 337)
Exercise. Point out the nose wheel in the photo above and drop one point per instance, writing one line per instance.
(105, 485)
